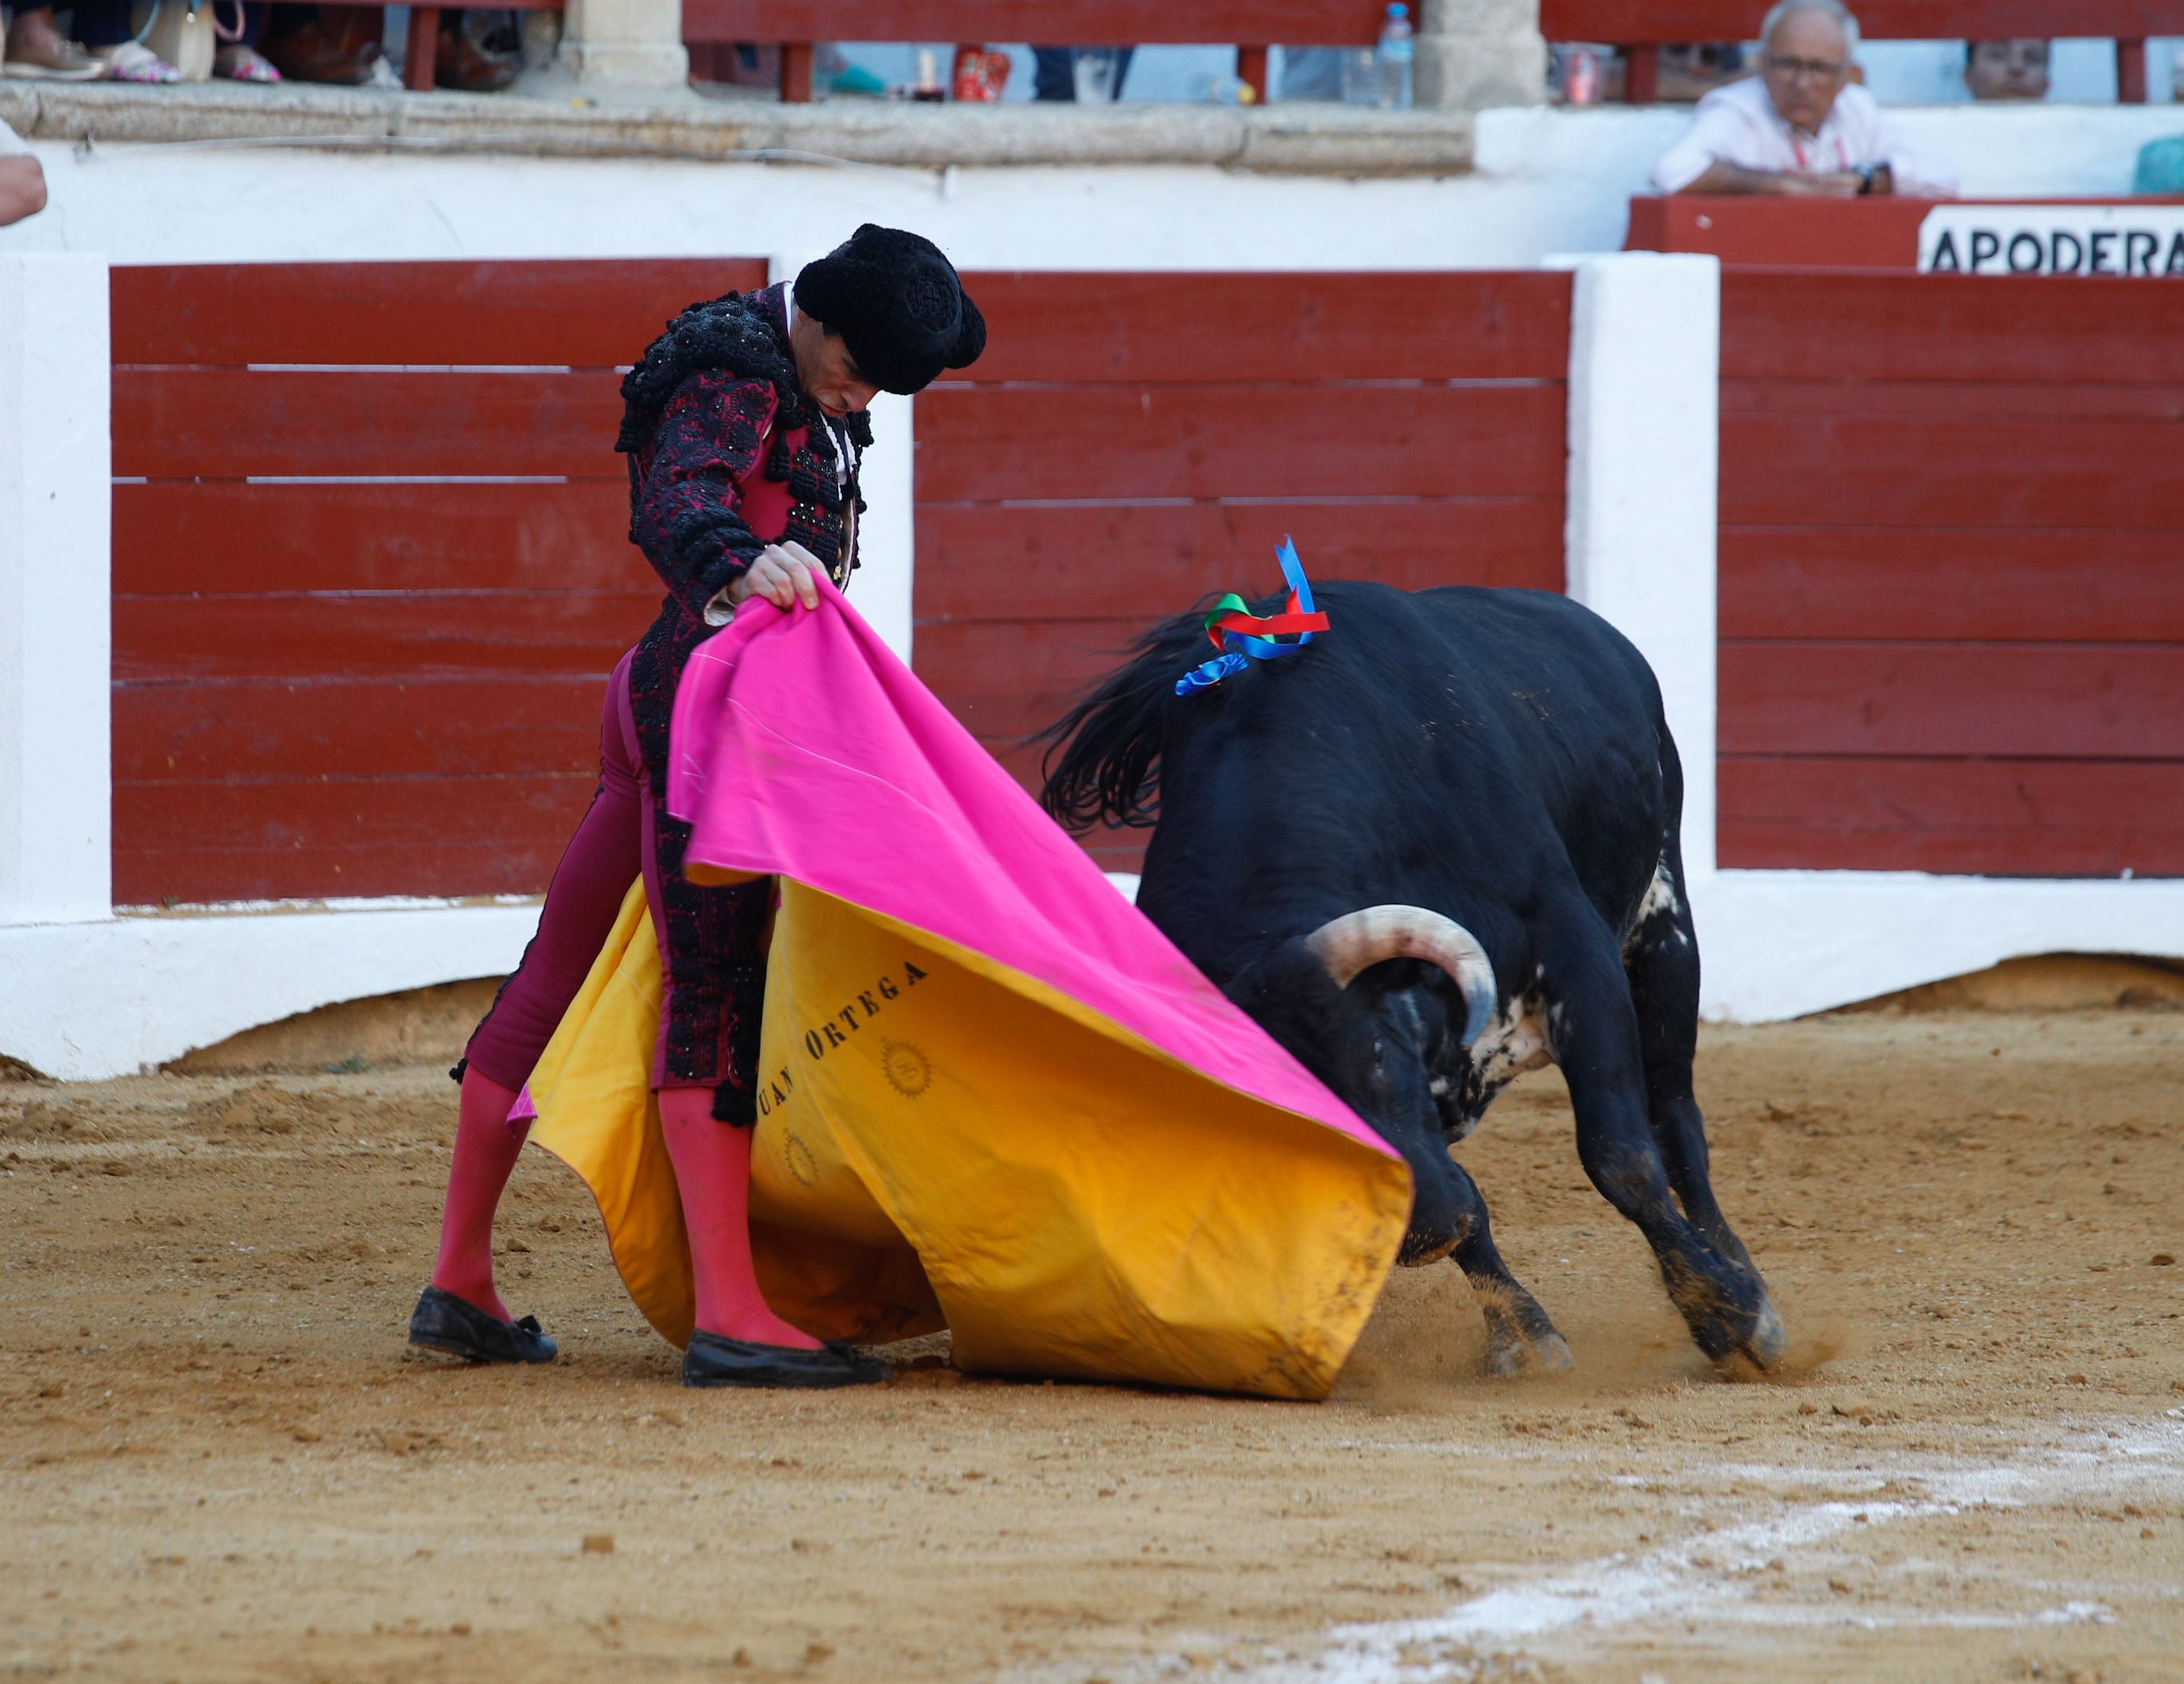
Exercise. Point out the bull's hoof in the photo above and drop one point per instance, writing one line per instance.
(1515, 1356)
(1762, 1349)
(1520, 1340)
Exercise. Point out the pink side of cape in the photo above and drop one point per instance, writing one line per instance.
(804, 748)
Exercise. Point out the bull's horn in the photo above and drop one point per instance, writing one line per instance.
(1348, 944)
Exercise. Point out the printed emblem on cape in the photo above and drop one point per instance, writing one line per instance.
(908, 1070)
(798, 1157)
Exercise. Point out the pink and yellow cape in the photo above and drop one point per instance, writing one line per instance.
(995, 1097)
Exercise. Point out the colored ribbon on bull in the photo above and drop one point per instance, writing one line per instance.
(1243, 637)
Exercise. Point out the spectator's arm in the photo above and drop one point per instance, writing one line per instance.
(22, 187)
(1919, 175)
(1734, 178)
(687, 516)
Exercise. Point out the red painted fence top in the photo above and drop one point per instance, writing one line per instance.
(1857, 233)
(1118, 23)
(1628, 22)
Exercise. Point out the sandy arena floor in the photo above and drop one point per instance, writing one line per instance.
(219, 1464)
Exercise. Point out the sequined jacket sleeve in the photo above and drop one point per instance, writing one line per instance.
(686, 509)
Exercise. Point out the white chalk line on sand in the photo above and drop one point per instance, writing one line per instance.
(1671, 1583)
(1707, 1576)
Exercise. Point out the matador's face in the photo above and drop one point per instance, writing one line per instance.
(827, 371)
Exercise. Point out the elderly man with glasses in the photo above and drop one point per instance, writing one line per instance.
(1802, 127)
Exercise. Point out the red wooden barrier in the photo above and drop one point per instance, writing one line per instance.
(1881, 232)
(795, 23)
(370, 567)
(1641, 27)
(1130, 443)
(1951, 614)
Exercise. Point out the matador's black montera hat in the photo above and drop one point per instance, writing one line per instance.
(897, 303)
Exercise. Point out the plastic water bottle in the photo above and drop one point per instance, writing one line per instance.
(1396, 57)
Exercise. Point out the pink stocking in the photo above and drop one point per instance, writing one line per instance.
(712, 1165)
(486, 1145)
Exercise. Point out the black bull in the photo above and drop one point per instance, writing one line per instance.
(1346, 841)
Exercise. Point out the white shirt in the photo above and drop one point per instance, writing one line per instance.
(1739, 124)
(10, 142)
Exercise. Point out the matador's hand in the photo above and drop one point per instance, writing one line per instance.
(783, 574)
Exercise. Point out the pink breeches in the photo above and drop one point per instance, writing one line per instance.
(616, 841)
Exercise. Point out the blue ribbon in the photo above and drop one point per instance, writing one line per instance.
(1241, 648)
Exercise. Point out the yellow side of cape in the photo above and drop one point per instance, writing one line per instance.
(941, 1137)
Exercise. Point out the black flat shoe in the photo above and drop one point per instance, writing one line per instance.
(443, 1322)
(714, 1359)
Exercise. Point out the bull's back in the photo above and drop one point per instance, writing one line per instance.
(1492, 732)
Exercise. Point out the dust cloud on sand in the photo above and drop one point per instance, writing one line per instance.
(218, 1463)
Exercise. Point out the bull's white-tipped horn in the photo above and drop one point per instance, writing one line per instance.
(1348, 944)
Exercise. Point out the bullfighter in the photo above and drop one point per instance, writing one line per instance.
(743, 425)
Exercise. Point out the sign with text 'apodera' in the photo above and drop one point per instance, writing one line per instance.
(2144, 240)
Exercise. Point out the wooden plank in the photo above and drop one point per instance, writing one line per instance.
(1858, 470)
(2072, 701)
(1004, 681)
(1087, 22)
(227, 424)
(221, 841)
(181, 538)
(413, 634)
(1860, 233)
(582, 312)
(1808, 324)
(990, 444)
(2008, 818)
(991, 562)
(1691, 20)
(269, 730)
(1946, 402)
(1990, 584)
(1153, 329)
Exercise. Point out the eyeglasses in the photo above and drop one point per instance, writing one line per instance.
(1805, 69)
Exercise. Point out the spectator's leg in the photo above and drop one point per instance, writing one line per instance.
(239, 60)
(1053, 73)
(36, 48)
(334, 44)
(101, 23)
(468, 54)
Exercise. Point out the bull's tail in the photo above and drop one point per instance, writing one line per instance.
(1102, 763)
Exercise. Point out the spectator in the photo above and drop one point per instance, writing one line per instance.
(336, 44)
(1694, 71)
(1800, 128)
(22, 179)
(106, 30)
(36, 49)
(478, 51)
(1054, 70)
(2007, 70)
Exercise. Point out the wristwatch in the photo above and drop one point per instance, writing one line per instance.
(1866, 174)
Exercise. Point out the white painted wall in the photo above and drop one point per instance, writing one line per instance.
(86, 1001)
(1644, 410)
(56, 468)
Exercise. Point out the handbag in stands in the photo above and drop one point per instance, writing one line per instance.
(182, 32)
